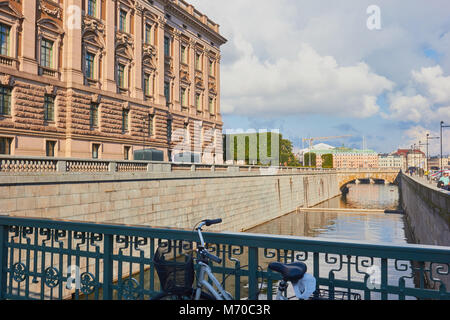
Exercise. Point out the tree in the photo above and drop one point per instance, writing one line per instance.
(309, 159)
(327, 161)
(287, 157)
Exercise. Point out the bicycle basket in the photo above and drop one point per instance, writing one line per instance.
(174, 276)
(323, 294)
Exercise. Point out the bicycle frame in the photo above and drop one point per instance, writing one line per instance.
(202, 282)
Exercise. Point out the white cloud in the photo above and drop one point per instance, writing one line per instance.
(308, 83)
(434, 81)
(418, 133)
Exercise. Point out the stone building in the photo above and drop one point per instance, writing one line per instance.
(391, 161)
(103, 78)
(348, 158)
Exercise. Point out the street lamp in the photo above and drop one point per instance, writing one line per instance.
(420, 153)
(428, 138)
(442, 126)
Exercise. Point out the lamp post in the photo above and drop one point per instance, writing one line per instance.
(442, 126)
(428, 138)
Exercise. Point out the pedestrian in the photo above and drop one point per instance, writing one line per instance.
(444, 181)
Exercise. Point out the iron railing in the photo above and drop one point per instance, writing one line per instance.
(40, 257)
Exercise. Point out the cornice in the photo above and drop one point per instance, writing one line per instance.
(174, 9)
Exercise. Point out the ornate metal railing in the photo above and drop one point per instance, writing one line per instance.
(39, 258)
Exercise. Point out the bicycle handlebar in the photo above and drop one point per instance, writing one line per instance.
(211, 256)
(210, 222)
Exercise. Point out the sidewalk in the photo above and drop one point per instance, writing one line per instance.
(430, 184)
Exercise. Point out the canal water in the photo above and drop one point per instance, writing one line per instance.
(364, 227)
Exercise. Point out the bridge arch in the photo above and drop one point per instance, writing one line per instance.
(347, 176)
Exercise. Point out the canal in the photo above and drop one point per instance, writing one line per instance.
(375, 228)
(363, 226)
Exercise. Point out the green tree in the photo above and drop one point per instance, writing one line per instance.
(287, 157)
(309, 159)
(327, 161)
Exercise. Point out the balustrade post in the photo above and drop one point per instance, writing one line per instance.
(253, 273)
(108, 248)
(3, 260)
(61, 166)
(112, 166)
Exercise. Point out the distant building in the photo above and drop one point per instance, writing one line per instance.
(349, 158)
(412, 158)
(435, 162)
(391, 161)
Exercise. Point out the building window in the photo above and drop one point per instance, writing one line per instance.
(90, 59)
(123, 21)
(198, 61)
(183, 97)
(148, 33)
(211, 106)
(184, 54)
(121, 76)
(49, 108)
(147, 84)
(93, 115)
(95, 150)
(5, 100)
(92, 8)
(4, 39)
(150, 125)
(198, 101)
(5, 145)
(167, 92)
(167, 46)
(169, 130)
(126, 153)
(46, 53)
(125, 113)
(50, 148)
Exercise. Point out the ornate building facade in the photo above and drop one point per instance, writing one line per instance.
(103, 78)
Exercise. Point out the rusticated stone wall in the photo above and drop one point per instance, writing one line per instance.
(176, 199)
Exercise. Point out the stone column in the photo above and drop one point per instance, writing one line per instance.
(176, 70)
(109, 64)
(192, 107)
(72, 55)
(138, 40)
(217, 75)
(28, 59)
(159, 94)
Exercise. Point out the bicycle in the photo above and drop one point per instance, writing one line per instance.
(177, 278)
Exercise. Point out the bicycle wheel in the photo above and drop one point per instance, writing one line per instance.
(189, 295)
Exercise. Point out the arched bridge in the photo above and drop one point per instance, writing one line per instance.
(346, 176)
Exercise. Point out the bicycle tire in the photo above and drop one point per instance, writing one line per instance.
(189, 295)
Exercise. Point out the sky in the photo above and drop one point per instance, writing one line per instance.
(331, 68)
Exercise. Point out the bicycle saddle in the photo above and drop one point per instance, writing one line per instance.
(290, 272)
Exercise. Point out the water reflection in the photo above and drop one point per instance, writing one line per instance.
(377, 228)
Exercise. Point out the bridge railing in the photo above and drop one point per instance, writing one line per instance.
(23, 164)
(39, 258)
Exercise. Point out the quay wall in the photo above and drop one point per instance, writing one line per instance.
(427, 211)
(181, 198)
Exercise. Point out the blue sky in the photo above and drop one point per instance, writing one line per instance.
(313, 68)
